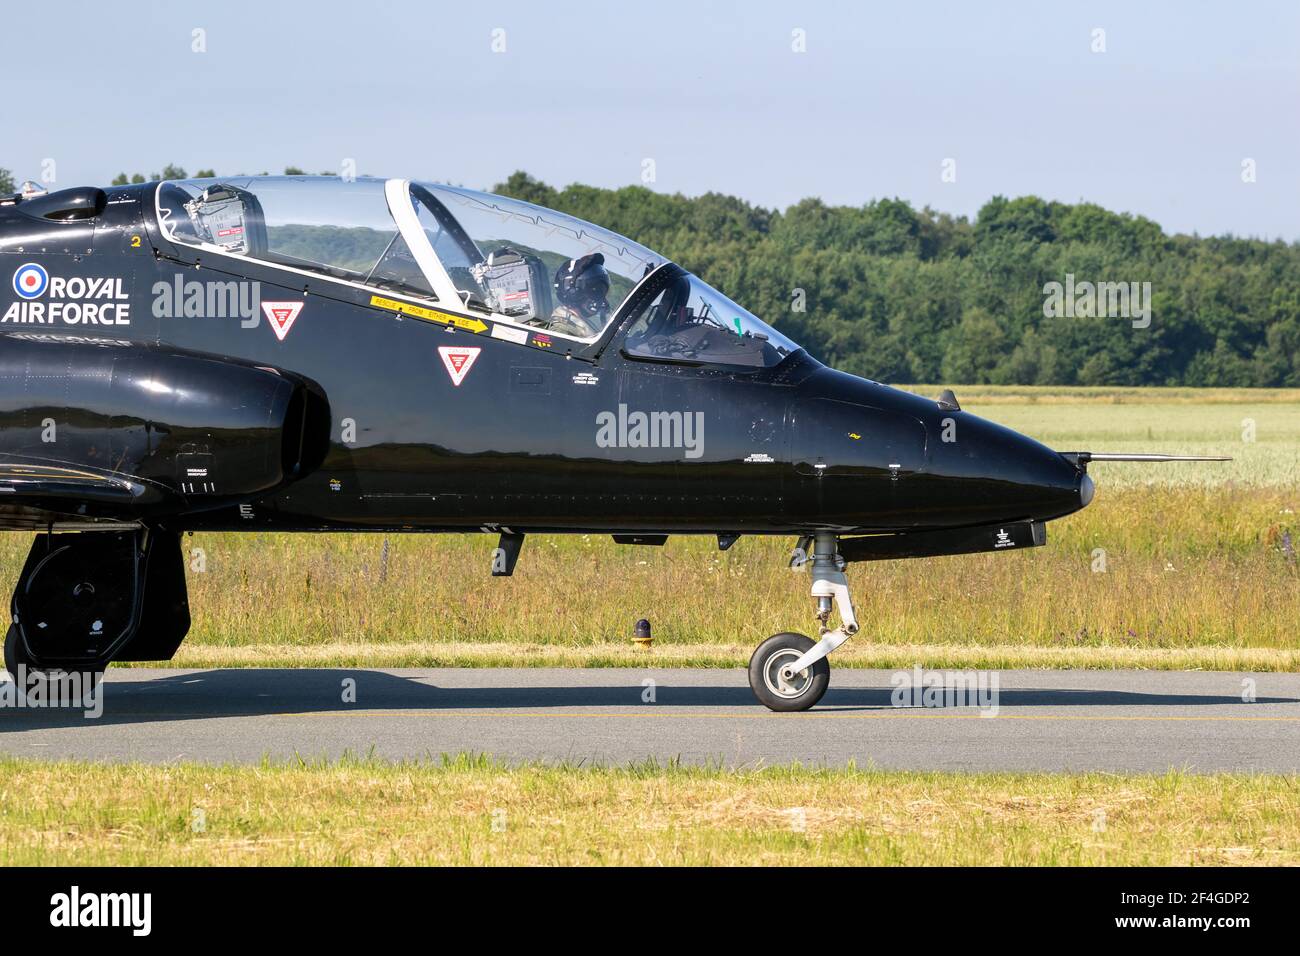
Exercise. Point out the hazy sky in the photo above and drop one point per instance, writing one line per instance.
(714, 94)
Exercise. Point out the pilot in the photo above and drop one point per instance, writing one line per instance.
(581, 287)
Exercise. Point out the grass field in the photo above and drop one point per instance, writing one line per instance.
(1176, 421)
(1187, 565)
(468, 810)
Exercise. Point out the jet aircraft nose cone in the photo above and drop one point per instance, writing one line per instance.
(1086, 490)
(1009, 474)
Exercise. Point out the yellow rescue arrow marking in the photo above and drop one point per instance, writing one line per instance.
(433, 315)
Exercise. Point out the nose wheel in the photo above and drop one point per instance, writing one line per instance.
(775, 682)
(790, 672)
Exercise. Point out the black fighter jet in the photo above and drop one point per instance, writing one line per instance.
(315, 354)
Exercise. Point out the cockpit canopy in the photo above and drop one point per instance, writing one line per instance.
(470, 251)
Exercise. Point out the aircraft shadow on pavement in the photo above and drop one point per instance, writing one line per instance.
(268, 692)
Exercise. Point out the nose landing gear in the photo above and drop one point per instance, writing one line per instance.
(789, 672)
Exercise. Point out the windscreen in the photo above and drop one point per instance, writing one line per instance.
(690, 321)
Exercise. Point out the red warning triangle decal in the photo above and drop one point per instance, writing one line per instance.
(458, 360)
(281, 316)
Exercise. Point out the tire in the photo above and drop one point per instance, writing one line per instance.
(16, 655)
(807, 687)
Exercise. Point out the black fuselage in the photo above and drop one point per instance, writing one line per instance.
(540, 434)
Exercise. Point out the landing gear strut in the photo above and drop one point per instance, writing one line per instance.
(790, 672)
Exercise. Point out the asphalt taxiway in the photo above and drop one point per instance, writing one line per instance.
(1044, 720)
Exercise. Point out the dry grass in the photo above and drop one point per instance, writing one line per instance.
(858, 655)
(1188, 569)
(467, 810)
(1198, 570)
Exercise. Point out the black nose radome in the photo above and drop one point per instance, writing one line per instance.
(1004, 475)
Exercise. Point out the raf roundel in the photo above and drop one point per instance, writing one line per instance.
(31, 280)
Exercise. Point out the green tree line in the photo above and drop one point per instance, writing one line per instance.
(914, 295)
(171, 171)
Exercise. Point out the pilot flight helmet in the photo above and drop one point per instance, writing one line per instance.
(583, 284)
